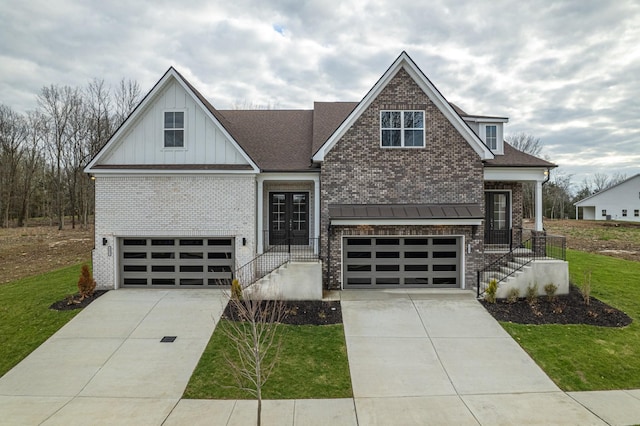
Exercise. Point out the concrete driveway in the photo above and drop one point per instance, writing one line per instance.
(108, 365)
(440, 358)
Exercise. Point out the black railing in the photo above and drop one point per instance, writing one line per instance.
(276, 255)
(538, 246)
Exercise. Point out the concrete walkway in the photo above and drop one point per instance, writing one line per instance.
(415, 358)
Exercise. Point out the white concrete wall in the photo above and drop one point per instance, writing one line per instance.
(540, 273)
(292, 281)
(144, 142)
(188, 205)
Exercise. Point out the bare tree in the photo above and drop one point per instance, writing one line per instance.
(254, 329)
(32, 161)
(127, 96)
(59, 104)
(533, 146)
(525, 143)
(13, 133)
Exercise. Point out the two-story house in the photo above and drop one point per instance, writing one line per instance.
(402, 189)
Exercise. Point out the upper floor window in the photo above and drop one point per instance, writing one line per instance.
(402, 128)
(174, 129)
(492, 137)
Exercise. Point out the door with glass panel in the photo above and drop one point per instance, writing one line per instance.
(289, 217)
(497, 228)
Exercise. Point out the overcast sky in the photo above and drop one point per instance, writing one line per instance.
(567, 72)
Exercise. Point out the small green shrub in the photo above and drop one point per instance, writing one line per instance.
(532, 294)
(550, 289)
(490, 292)
(513, 295)
(86, 283)
(236, 290)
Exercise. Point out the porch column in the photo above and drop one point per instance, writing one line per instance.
(260, 236)
(316, 215)
(538, 226)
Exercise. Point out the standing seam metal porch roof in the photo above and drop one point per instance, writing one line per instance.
(405, 211)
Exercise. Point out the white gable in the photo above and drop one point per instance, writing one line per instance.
(405, 62)
(140, 141)
(623, 195)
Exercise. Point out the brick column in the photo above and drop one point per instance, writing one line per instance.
(539, 243)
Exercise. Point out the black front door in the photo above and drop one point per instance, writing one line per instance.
(289, 218)
(497, 228)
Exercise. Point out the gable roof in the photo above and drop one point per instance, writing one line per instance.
(405, 62)
(170, 75)
(578, 203)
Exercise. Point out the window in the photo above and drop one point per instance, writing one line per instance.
(492, 137)
(624, 212)
(402, 128)
(636, 212)
(173, 129)
(604, 213)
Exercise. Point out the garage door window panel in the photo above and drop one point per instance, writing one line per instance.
(410, 261)
(176, 261)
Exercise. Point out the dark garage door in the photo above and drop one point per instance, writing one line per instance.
(175, 262)
(391, 262)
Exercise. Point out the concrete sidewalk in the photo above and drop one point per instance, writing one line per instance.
(415, 357)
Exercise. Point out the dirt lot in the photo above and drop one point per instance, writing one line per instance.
(617, 239)
(37, 249)
(34, 250)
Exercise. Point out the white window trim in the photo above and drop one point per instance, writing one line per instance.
(184, 130)
(499, 137)
(402, 111)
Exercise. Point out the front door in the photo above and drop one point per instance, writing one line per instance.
(289, 218)
(497, 228)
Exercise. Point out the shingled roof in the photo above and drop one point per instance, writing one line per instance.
(285, 140)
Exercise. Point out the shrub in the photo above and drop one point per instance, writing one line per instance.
(490, 292)
(86, 283)
(532, 294)
(512, 296)
(550, 289)
(236, 290)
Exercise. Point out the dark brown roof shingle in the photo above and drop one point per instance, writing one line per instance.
(405, 211)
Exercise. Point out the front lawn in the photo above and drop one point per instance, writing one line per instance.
(25, 318)
(585, 358)
(312, 364)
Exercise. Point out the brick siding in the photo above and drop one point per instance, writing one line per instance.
(195, 206)
(358, 171)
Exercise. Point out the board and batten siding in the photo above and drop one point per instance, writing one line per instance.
(143, 144)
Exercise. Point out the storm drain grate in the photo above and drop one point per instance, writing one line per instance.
(168, 339)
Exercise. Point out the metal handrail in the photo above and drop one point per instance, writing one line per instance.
(283, 251)
(534, 248)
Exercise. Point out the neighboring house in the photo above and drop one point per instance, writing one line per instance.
(401, 189)
(619, 202)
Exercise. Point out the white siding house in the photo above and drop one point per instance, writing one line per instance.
(620, 202)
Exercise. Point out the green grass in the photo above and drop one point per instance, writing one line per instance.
(312, 364)
(26, 320)
(584, 358)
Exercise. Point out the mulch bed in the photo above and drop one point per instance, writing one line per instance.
(566, 309)
(305, 312)
(73, 302)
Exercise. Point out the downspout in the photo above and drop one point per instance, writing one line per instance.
(542, 189)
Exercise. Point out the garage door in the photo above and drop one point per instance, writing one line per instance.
(401, 261)
(176, 262)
